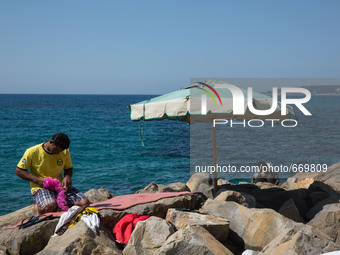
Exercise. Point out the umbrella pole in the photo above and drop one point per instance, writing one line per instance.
(215, 159)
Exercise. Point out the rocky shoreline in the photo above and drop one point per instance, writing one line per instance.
(299, 216)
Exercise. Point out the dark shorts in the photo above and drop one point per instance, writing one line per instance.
(43, 197)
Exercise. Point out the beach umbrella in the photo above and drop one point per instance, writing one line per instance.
(210, 101)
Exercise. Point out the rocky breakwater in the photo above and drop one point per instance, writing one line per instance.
(300, 216)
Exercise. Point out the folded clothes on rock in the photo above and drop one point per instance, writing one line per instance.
(74, 215)
(124, 228)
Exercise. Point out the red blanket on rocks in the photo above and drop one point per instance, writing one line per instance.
(125, 201)
(123, 229)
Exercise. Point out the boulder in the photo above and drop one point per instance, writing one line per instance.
(289, 210)
(206, 189)
(221, 182)
(29, 240)
(151, 188)
(148, 236)
(13, 218)
(253, 228)
(216, 226)
(328, 221)
(197, 179)
(3, 250)
(98, 195)
(300, 239)
(266, 185)
(238, 197)
(192, 240)
(331, 177)
(158, 208)
(299, 181)
(172, 187)
(80, 239)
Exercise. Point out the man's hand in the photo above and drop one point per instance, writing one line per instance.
(39, 181)
(66, 182)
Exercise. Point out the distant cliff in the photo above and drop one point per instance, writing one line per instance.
(318, 90)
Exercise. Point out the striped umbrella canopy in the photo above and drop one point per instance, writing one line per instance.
(209, 100)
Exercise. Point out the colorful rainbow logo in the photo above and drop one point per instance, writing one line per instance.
(209, 93)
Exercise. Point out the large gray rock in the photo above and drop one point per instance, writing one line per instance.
(289, 210)
(98, 195)
(238, 197)
(148, 236)
(80, 239)
(197, 179)
(218, 227)
(192, 240)
(300, 239)
(172, 187)
(331, 177)
(253, 228)
(13, 218)
(328, 221)
(29, 240)
(158, 208)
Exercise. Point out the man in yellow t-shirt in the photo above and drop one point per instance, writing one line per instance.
(50, 159)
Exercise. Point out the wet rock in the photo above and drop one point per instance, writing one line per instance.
(328, 221)
(253, 228)
(98, 195)
(300, 239)
(192, 240)
(80, 239)
(333, 199)
(218, 227)
(148, 236)
(274, 198)
(240, 198)
(29, 240)
(316, 197)
(289, 210)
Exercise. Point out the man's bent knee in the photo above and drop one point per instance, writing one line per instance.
(82, 202)
(50, 206)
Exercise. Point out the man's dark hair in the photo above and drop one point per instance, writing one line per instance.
(61, 140)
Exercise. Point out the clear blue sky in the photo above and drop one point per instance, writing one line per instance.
(154, 47)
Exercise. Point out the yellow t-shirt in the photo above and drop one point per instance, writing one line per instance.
(43, 164)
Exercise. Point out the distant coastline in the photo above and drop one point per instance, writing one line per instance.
(318, 90)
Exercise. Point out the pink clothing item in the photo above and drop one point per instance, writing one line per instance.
(126, 201)
(54, 184)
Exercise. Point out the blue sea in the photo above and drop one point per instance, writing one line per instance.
(106, 145)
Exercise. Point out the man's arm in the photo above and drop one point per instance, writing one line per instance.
(24, 174)
(67, 182)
